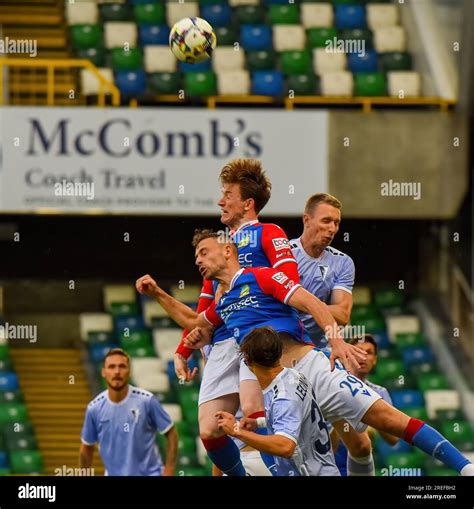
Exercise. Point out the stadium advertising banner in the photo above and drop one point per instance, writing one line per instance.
(163, 161)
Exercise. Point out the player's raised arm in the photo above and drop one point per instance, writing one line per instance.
(183, 315)
(349, 355)
(341, 306)
(277, 249)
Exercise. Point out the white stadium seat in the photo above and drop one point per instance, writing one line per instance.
(361, 295)
(236, 3)
(166, 341)
(159, 59)
(151, 309)
(401, 324)
(95, 322)
(89, 82)
(227, 58)
(152, 381)
(117, 294)
(441, 400)
(389, 39)
(189, 293)
(82, 13)
(337, 83)
(288, 37)
(177, 11)
(404, 84)
(174, 411)
(325, 61)
(120, 34)
(317, 15)
(381, 15)
(147, 365)
(233, 83)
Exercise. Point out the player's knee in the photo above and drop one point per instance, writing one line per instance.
(360, 445)
(209, 433)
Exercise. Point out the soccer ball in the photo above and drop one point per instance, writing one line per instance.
(192, 40)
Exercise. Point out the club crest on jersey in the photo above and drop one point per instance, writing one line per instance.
(135, 413)
(280, 243)
(243, 242)
(245, 291)
(280, 277)
(324, 270)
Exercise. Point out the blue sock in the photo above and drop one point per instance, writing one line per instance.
(225, 455)
(435, 444)
(268, 459)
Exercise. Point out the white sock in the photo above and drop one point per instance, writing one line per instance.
(467, 470)
(363, 466)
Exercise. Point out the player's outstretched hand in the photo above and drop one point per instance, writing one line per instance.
(182, 370)
(227, 423)
(349, 355)
(198, 337)
(146, 285)
(248, 424)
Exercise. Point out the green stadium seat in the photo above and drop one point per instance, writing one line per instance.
(126, 308)
(449, 415)
(163, 322)
(135, 339)
(399, 383)
(5, 471)
(358, 34)
(152, 13)
(125, 60)
(372, 323)
(141, 351)
(432, 381)
(99, 337)
(95, 55)
(443, 472)
(209, 2)
(387, 298)
(317, 37)
(14, 429)
(226, 36)
(457, 431)
(188, 399)
(165, 83)
(370, 84)
(11, 397)
(26, 462)
(284, 14)
(198, 84)
(22, 442)
(13, 412)
(4, 352)
(86, 36)
(296, 62)
(6, 365)
(405, 339)
(363, 311)
(413, 459)
(417, 413)
(395, 61)
(389, 368)
(193, 471)
(116, 12)
(418, 369)
(303, 84)
(250, 14)
(186, 451)
(260, 60)
(183, 430)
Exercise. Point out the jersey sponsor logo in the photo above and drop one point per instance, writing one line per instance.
(245, 258)
(280, 243)
(280, 277)
(290, 284)
(245, 291)
(237, 306)
(324, 270)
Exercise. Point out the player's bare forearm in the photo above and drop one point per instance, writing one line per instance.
(339, 314)
(183, 315)
(275, 445)
(86, 455)
(171, 450)
(308, 303)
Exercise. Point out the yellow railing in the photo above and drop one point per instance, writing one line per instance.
(105, 86)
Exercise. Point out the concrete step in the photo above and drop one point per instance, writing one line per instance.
(46, 37)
